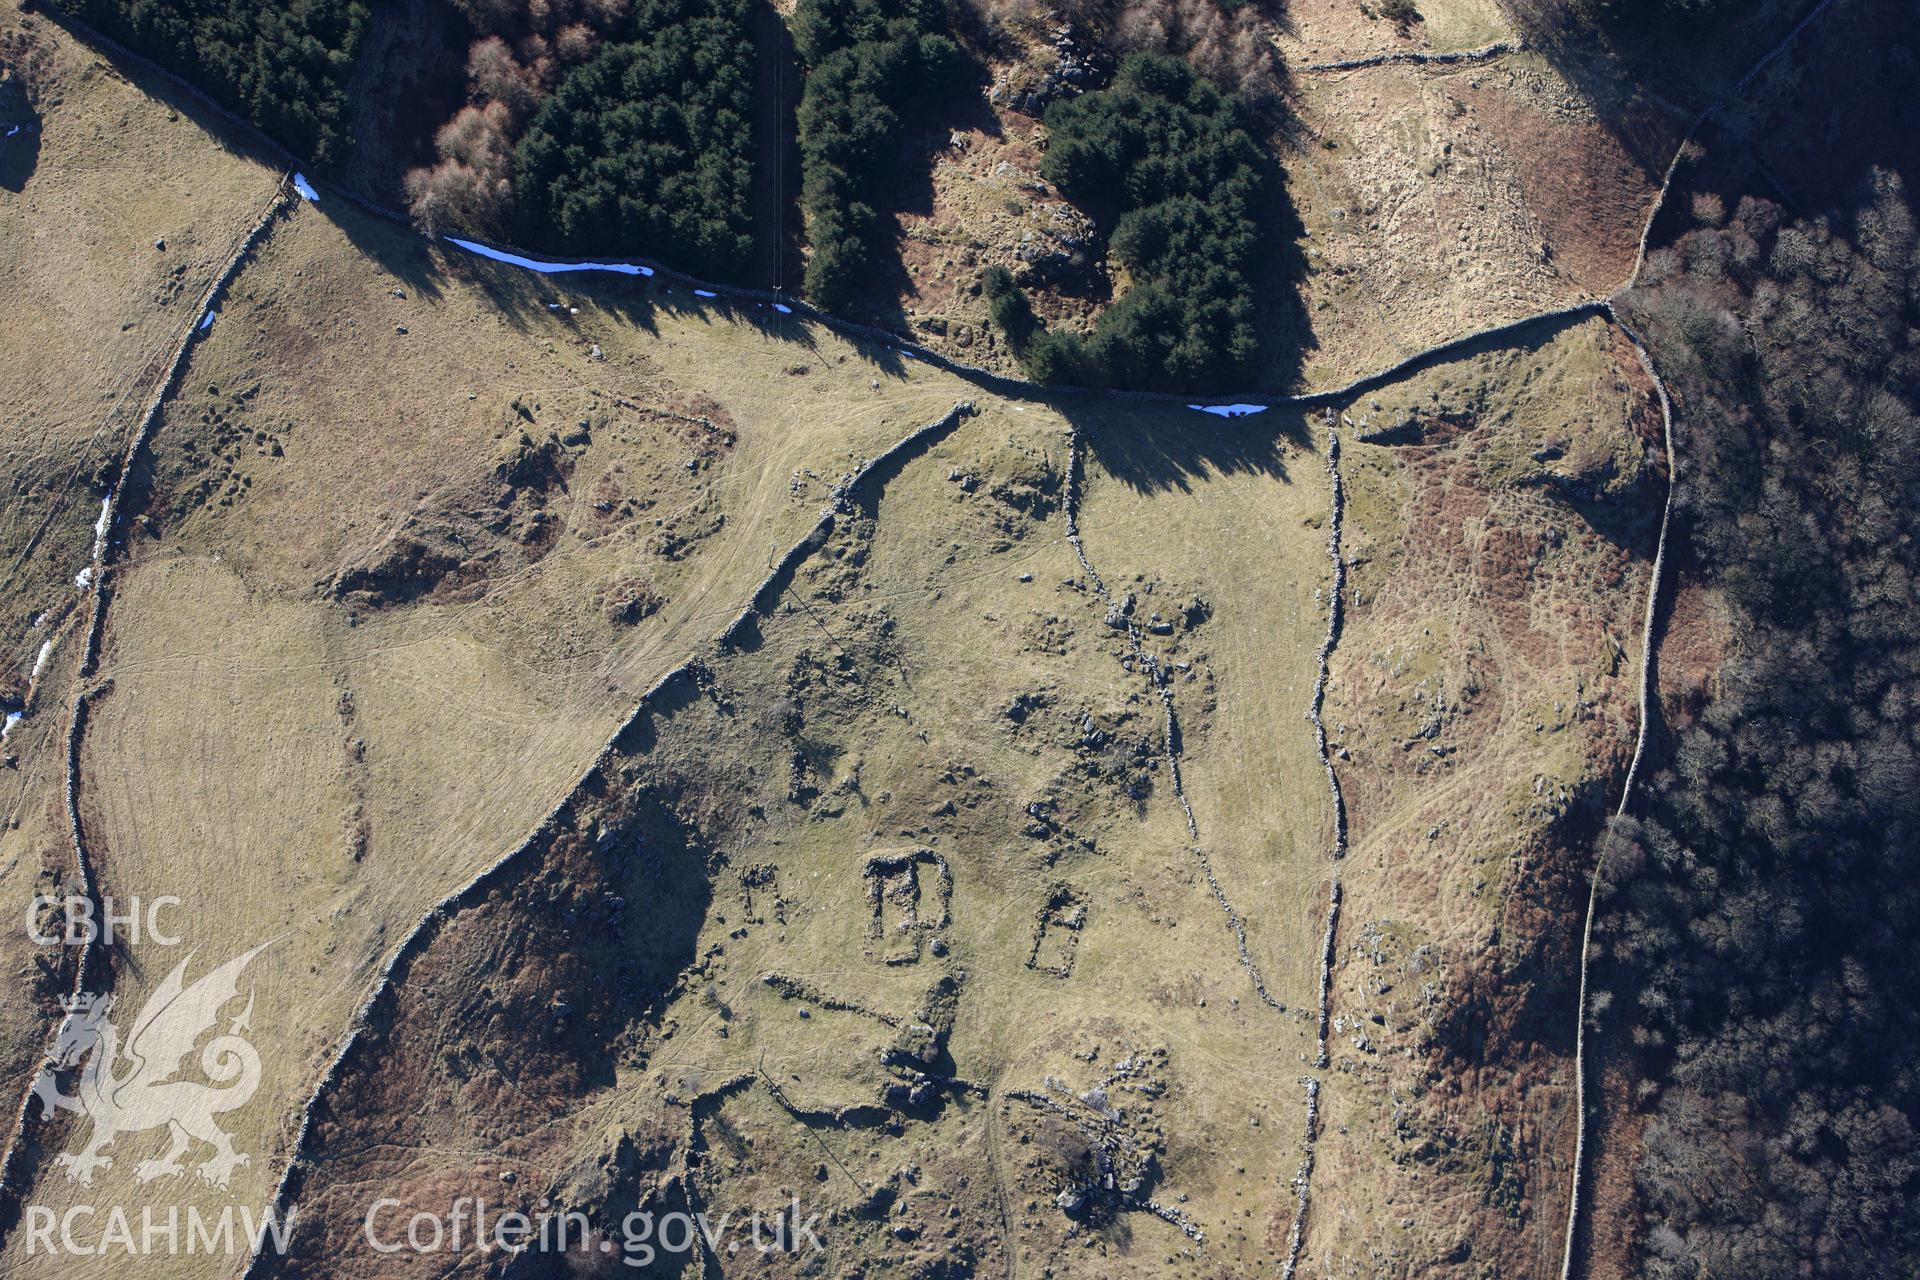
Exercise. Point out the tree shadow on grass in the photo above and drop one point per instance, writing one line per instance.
(233, 135)
(1156, 447)
(19, 138)
(391, 245)
(19, 155)
(884, 358)
(528, 299)
(1284, 329)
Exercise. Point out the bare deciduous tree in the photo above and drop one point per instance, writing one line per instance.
(1230, 46)
(524, 47)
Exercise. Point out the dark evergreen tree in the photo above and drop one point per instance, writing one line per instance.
(868, 63)
(647, 147)
(1166, 160)
(283, 64)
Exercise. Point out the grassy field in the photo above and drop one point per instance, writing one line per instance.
(115, 213)
(1437, 202)
(923, 693)
(97, 175)
(316, 727)
(891, 903)
(1338, 30)
(1220, 533)
(940, 690)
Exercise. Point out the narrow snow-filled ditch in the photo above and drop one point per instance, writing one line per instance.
(548, 268)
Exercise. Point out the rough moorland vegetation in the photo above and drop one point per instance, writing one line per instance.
(283, 66)
(1227, 41)
(870, 65)
(1758, 952)
(1166, 161)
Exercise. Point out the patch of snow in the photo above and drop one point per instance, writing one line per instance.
(783, 308)
(1229, 410)
(706, 293)
(84, 578)
(206, 321)
(13, 718)
(548, 268)
(40, 663)
(100, 525)
(305, 189)
(12, 129)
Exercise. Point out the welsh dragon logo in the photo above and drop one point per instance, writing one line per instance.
(131, 1088)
